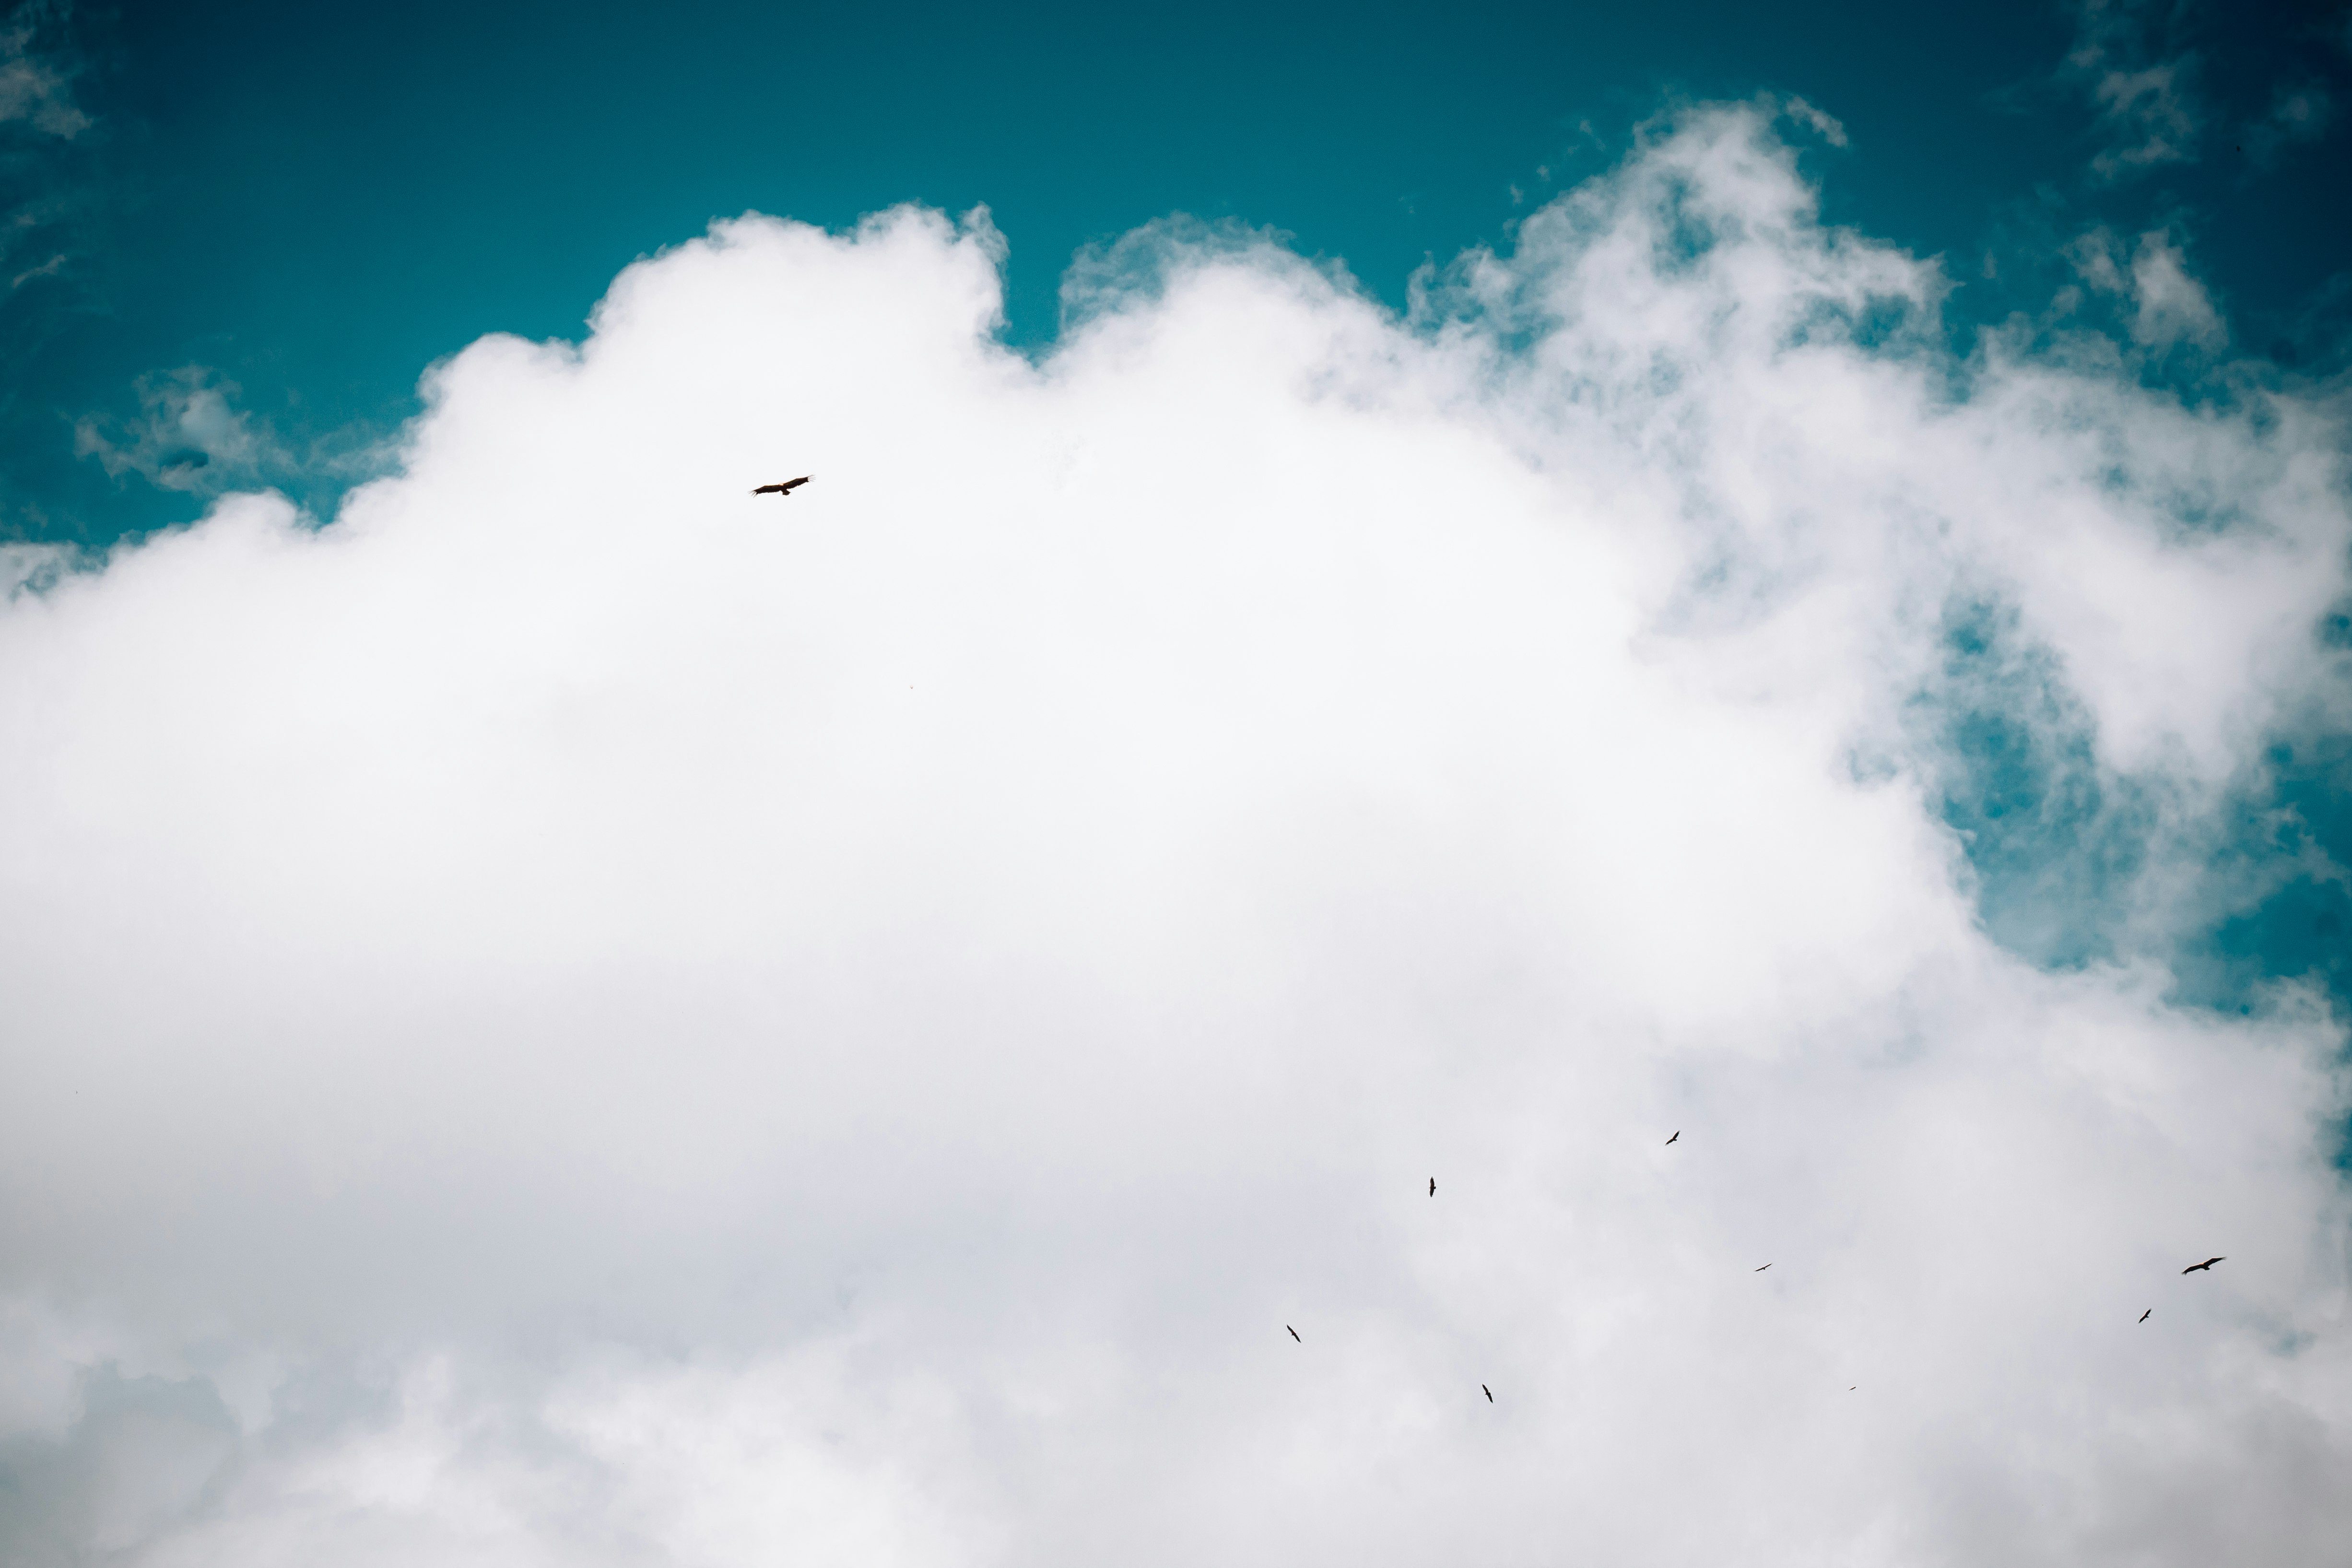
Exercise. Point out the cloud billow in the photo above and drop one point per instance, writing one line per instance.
(571, 1014)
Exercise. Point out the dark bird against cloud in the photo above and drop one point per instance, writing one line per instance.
(2143, 1317)
(786, 488)
(1488, 1391)
(1432, 1186)
(1678, 1132)
(1294, 1333)
(1759, 1270)
(2193, 1268)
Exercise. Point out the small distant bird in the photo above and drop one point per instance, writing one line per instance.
(2195, 1266)
(1294, 1333)
(2143, 1317)
(1432, 1186)
(787, 488)
(1488, 1391)
(1670, 1142)
(1759, 1270)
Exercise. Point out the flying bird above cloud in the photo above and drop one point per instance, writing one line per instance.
(2207, 1266)
(785, 488)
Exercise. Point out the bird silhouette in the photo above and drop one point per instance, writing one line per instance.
(1294, 1333)
(1759, 1270)
(2143, 1317)
(786, 488)
(1678, 1132)
(2193, 1268)
(1432, 1186)
(1488, 1391)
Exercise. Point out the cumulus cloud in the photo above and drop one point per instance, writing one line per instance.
(570, 1014)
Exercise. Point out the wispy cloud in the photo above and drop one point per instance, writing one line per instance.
(2143, 87)
(35, 88)
(2298, 115)
(189, 435)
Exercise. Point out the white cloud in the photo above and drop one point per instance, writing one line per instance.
(2150, 117)
(189, 436)
(2173, 305)
(576, 1015)
(33, 88)
(2168, 305)
(2144, 89)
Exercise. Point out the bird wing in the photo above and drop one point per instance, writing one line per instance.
(1761, 1270)
(794, 484)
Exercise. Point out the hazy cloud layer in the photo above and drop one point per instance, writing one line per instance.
(573, 1016)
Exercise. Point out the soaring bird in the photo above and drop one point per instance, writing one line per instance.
(787, 488)
(2195, 1266)
(1432, 1186)
(1294, 1333)
(1759, 1270)
(1488, 1391)
(1678, 1132)
(2143, 1317)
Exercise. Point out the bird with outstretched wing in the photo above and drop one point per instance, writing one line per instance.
(2207, 1265)
(786, 488)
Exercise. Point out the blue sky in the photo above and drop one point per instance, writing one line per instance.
(1423, 596)
(316, 203)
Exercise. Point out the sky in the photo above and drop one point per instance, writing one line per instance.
(1387, 596)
